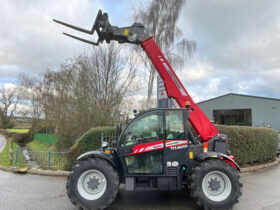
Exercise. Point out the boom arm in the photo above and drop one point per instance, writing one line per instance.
(176, 90)
(135, 34)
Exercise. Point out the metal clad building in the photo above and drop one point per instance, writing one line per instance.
(237, 109)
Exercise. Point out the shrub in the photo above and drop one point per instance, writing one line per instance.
(251, 144)
(10, 125)
(22, 138)
(6, 133)
(19, 138)
(88, 142)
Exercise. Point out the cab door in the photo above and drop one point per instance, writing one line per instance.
(175, 126)
(141, 144)
(176, 143)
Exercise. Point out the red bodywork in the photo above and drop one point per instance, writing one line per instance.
(176, 90)
(156, 145)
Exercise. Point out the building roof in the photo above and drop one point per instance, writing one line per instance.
(236, 94)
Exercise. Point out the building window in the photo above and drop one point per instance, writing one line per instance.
(233, 117)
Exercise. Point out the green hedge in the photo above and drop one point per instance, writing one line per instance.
(247, 144)
(22, 138)
(88, 142)
(251, 144)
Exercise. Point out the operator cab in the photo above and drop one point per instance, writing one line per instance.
(153, 148)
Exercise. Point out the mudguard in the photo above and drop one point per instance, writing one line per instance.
(100, 154)
(208, 155)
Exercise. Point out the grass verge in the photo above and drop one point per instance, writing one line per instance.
(36, 145)
(18, 130)
(5, 158)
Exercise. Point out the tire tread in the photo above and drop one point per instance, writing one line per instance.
(93, 161)
(194, 183)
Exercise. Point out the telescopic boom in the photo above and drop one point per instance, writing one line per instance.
(136, 34)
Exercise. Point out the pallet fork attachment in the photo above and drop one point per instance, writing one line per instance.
(105, 31)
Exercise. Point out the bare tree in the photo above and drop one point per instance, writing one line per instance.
(160, 18)
(8, 104)
(114, 78)
(144, 105)
(83, 93)
(31, 93)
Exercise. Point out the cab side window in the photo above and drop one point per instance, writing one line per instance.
(147, 128)
(174, 125)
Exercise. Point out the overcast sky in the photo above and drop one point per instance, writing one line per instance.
(237, 41)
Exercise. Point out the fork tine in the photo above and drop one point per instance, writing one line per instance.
(81, 39)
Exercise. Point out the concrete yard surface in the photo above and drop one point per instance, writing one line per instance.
(261, 191)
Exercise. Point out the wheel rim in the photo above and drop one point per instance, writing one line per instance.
(92, 184)
(216, 185)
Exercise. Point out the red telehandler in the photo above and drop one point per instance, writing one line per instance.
(157, 149)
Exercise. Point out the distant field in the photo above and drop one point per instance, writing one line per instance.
(18, 130)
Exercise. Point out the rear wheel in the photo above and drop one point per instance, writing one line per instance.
(93, 184)
(215, 184)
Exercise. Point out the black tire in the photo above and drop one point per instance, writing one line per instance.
(87, 166)
(227, 184)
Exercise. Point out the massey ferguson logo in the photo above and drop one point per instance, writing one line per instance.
(178, 147)
(172, 144)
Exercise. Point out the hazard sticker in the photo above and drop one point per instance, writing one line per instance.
(175, 163)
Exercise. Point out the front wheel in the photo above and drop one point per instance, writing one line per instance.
(215, 184)
(93, 184)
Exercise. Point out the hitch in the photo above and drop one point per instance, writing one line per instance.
(134, 34)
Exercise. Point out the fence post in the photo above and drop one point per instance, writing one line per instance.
(16, 158)
(49, 159)
(11, 153)
(102, 138)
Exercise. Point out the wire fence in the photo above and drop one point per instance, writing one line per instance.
(51, 159)
(42, 159)
(17, 158)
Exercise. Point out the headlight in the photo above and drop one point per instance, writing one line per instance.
(104, 144)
